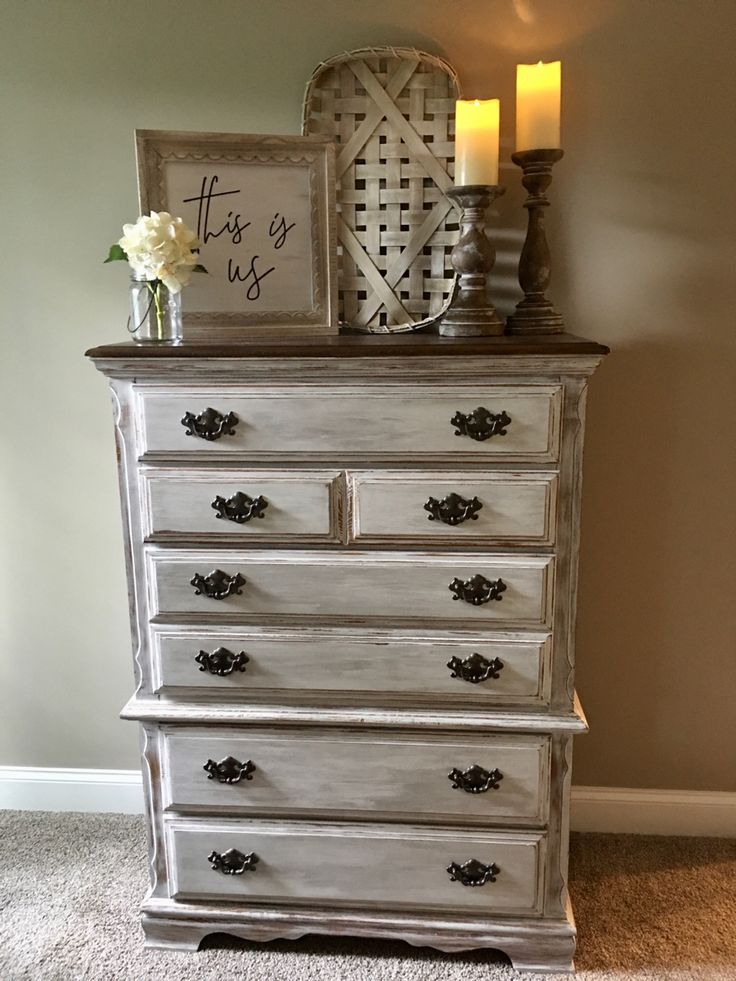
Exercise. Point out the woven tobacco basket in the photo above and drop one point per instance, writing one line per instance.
(392, 113)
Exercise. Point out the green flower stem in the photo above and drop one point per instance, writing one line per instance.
(154, 290)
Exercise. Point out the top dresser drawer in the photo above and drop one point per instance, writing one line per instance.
(387, 423)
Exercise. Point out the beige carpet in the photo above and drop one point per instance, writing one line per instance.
(647, 908)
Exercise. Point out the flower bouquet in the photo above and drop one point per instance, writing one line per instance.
(162, 253)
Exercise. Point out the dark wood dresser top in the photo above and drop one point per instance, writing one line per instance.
(355, 345)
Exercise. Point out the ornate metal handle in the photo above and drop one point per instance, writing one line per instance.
(229, 770)
(240, 508)
(233, 862)
(453, 509)
(474, 779)
(210, 424)
(480, 424)
(473, 872)
(217, 585)
(474, 668)
(221, 661)
(477, 590)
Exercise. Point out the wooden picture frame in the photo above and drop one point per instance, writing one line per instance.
(264, 210)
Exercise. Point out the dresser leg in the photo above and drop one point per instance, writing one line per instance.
(547, 958)
(171, 934)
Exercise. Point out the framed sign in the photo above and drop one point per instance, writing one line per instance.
(263, 208)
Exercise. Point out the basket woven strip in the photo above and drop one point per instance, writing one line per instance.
(392, 114)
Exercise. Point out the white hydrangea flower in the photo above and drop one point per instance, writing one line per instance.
(159, 246)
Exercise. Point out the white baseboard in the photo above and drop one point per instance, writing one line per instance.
(607, 809)
(654, 812)
(40, 788)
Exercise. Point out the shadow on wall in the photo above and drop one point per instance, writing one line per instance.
(656, 620)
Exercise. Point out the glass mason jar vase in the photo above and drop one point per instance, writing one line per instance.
(155, 313)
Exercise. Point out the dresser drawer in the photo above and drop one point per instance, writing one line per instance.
(333, 773)
(482, 508)
(356, 586)
(256, 505)
(383, 422)
(355, 865)
(508, 669)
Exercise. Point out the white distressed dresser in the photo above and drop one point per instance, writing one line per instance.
(352, 566)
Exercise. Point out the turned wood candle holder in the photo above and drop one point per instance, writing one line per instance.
(535, 314)
(471, 312)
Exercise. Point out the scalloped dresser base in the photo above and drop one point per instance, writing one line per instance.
(530, 944)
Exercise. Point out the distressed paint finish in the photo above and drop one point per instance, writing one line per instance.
(376, 667)
(516, 508)
(315, 424)
(393, 866)
(365, 587)
(348, 625)
(301, 506)
(343, 773)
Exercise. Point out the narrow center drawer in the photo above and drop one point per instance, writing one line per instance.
(497, 779)
(468, 589)
(262, 506)
(381, 422)
(348, 865)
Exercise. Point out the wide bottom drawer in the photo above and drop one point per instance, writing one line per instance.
(250, 862)
(501, 779)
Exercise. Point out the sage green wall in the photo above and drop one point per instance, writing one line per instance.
(642, 232)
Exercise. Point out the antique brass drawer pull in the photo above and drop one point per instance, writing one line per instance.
(221, 661)
(233, 862)
(477, 590)
(240, 507)
(453, 509)
(480, 424)
(475, 779)
(218, 585)
(475, 668)
(229, 770)
(473, 872)
(210, 424)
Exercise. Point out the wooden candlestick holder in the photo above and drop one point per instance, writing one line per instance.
(471, 312)
(535, 314)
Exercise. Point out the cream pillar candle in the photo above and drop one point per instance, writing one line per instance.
(476, 141)
(538, 106)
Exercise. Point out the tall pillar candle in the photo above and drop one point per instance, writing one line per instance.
(476, 142)
(538, 106)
